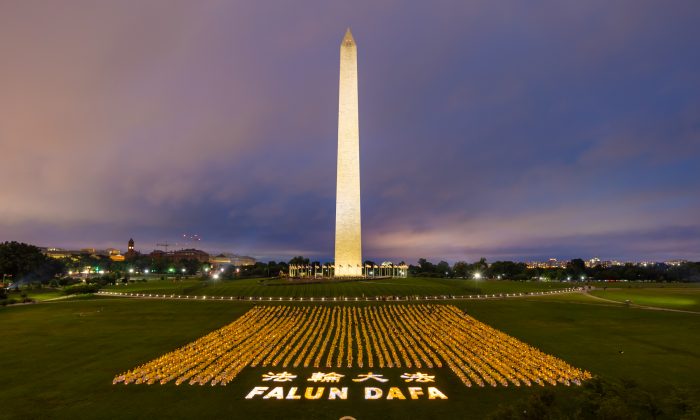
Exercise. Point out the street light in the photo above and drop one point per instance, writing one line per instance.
(477, 276)
(131, 270)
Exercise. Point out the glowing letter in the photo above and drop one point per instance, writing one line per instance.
(292, 395)
(339, 393)
(277, 392)
(258, 390)
(372, 393)
(394, 392)
(309, 396)
(435, 393)
(415, 391)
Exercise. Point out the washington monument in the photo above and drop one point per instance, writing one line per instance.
(348, 232)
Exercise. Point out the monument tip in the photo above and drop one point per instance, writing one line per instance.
(348, 39)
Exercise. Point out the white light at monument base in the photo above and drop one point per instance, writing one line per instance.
(477, 276)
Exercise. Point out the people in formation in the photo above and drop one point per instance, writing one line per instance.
(384, 336)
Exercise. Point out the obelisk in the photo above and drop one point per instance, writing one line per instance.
(348, 233)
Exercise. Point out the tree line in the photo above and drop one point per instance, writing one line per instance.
(574, 270)
(26, 264)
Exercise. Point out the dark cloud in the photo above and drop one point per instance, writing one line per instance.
(487, 128)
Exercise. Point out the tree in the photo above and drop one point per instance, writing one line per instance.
(443, 268)
(26, 263)
(576, 268)
(299, 261)
(191, 265)
(480, 266)
(426, 266)
(508, 270)
(461, 269)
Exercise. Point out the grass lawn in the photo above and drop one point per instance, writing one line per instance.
(379, 287)
(685, 298)
(38, 295)
(59, 358)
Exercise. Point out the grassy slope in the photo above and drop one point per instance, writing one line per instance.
(685, 298)
(37, 294)
(59, 358)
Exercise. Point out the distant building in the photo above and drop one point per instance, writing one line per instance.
(240, 260)
(593, 262)
(130, 250)
(182, 254)
(551, 263)
(57, 253)
(220, 259)
(115, 254)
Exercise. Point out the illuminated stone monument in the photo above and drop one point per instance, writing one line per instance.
(348, 235)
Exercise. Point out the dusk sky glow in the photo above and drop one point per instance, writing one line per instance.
(505, 130)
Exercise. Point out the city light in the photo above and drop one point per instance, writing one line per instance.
(183, 270)
(131, 270)
(146, 271)
(477, 276)
(215, 276)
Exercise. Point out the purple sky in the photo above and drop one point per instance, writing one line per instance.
(509, 130)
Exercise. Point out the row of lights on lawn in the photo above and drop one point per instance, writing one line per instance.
(345, 298)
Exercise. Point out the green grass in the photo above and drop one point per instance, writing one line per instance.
(38, 295)
(379, 287)
(684, 298)
(59, 358)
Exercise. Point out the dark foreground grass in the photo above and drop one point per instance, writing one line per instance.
(58, 359)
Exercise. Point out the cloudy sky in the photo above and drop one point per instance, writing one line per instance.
(509, 130)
